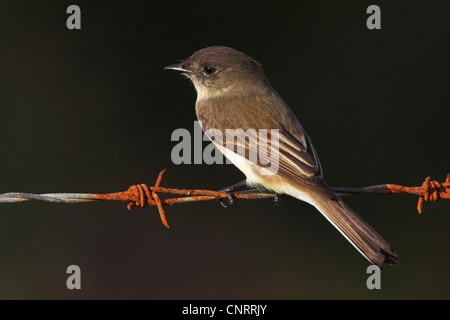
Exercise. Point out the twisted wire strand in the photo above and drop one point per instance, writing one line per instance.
(11, 197)
(141, 195)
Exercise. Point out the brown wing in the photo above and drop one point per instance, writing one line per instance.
(297, 158)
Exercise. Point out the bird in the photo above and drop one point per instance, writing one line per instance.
(233, 93)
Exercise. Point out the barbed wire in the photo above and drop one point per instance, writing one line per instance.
(142, 195)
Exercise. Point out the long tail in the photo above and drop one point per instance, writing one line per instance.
(360, 234)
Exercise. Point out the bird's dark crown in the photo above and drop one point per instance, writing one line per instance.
(217, 67)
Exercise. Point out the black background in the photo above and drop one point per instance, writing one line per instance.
(91, 110)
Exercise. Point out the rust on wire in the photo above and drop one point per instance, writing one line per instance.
(430, 190)
(141, 195)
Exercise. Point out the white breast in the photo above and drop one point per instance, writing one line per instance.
(242, 164)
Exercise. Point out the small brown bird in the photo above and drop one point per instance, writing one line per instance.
(234, 93)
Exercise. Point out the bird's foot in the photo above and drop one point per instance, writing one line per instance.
(277, 199)
(229, 200)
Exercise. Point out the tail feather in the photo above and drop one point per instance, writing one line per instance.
(360, 234)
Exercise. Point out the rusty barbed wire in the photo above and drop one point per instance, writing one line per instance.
(430, 190)
(142, 195)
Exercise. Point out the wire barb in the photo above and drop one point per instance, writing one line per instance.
(433, 190)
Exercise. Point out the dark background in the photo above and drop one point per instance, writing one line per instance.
(91, 110)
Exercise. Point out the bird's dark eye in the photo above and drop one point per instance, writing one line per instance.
(209, 70)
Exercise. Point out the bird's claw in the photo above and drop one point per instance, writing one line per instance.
(277, 199)
(226, 202)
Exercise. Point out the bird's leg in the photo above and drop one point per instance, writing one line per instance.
(228, 190)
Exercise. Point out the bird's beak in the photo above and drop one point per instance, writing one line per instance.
(177, 67)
